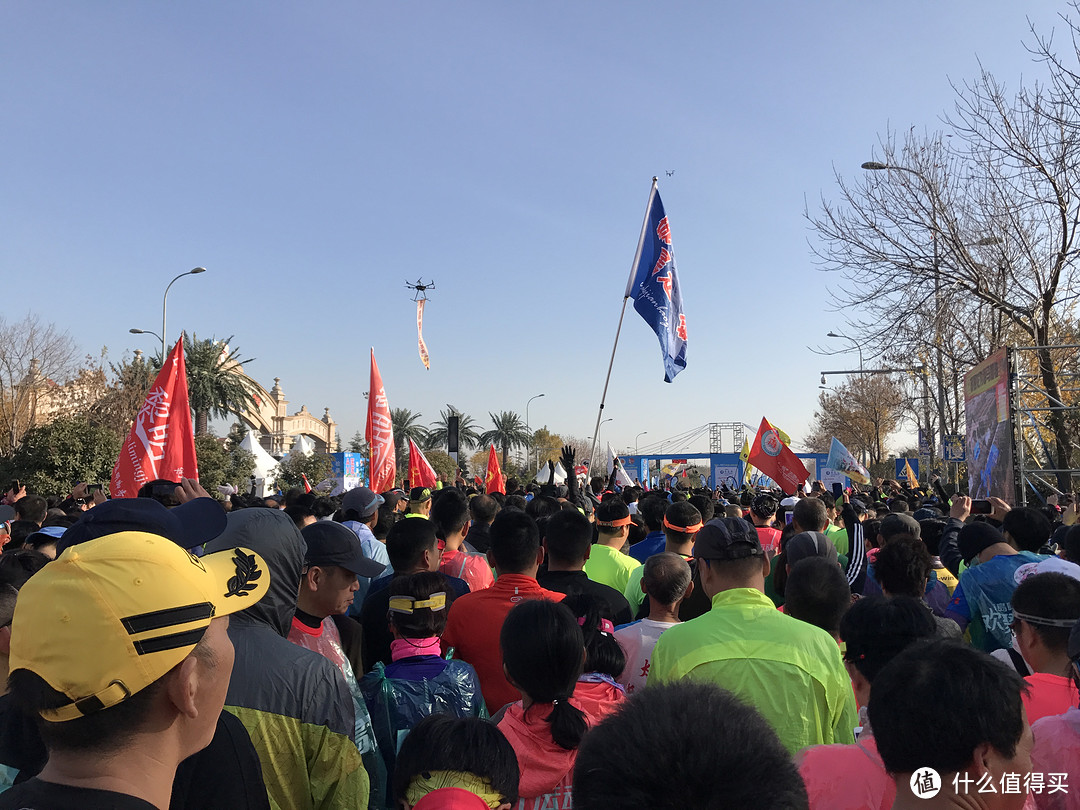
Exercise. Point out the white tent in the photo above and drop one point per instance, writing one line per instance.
(303, 446)
(264, 466)
(560, 474)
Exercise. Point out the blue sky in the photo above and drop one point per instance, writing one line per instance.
(315, 156)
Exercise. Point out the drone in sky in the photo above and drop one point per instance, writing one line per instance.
(670, 172)
(420, 289)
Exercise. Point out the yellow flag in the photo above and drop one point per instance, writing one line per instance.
(783, 436)
(744, 456)
(910, 475)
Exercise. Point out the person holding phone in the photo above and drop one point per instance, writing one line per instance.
(983, 598)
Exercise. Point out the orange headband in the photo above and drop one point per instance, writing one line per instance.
(614, 524)
(685, 529)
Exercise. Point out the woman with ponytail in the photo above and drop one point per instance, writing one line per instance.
(544, 655)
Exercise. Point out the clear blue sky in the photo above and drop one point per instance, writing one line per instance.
(314, 156)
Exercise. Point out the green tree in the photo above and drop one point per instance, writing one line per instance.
(129, 382)
(216, 387)
(509, 431)
(358, 444)
(546, 446)
(406, 426)
(290, 470)
(468, 435)
(64, 452)
(221, 463)
(443, 464)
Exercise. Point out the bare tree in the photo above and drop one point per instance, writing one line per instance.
(35, 357)
(861, 413)
(955, 243)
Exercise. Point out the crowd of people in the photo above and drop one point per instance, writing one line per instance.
(583, 645)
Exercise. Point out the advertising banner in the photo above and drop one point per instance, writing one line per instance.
(989, 429)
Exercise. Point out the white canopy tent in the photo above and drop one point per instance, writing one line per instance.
(264, 466)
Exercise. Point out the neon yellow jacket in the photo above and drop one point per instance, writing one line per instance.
(788, 670)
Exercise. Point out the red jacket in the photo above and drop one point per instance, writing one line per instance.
(473, 626)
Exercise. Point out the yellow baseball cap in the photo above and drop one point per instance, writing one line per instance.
(109, 617)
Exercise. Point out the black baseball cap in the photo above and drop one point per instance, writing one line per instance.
(330, 543)
(727, 538)
(189, 525)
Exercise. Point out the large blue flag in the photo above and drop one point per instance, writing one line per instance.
(654, 286)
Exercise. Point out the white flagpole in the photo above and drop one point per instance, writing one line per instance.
(618, 329)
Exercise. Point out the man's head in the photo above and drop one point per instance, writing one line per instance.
(515, 543)
(1045, 609)
(971, 702)
(666, 579)
(412, 546)
(567, 538)
(33, 508)
(903, 566)
(450, 513)
(1026, 528)
(360, 504)
(681, 522)
(730, 556)
(126, 636)
(809, 515)
(652, 509)
(420, 501)
(483, 509)
(706, 507)
(613, 522)
(763, 510)
(685, 744)
(875, 630)
(897, 523)
(977, 538)
(332, 563)
(817, 592)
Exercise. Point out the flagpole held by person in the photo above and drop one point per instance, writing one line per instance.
(656, 297)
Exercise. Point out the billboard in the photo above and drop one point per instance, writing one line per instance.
(989, 442)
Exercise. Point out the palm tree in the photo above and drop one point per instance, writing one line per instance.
(510, 431)
(468, 435)
(405, 426)
(216, 386)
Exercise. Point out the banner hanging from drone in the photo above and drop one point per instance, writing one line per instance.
(420, 333)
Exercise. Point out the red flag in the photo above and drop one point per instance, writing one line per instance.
(161, 443)
(494, 481)
(307, 486)
(421, 473)
(774, 458)
(380, 433)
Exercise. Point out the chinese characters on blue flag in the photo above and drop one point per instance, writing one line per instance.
(654, 286)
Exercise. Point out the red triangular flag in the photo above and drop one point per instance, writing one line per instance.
(161, 444)
(774, 458)
(307, 486)
(380, 433)
(494, 481)
(421, 473)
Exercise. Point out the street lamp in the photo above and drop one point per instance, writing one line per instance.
(164, 300)
(530, 429)
(635, 440)
(874, 166)
(601, 427)
(858, 347)
(145, 332)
